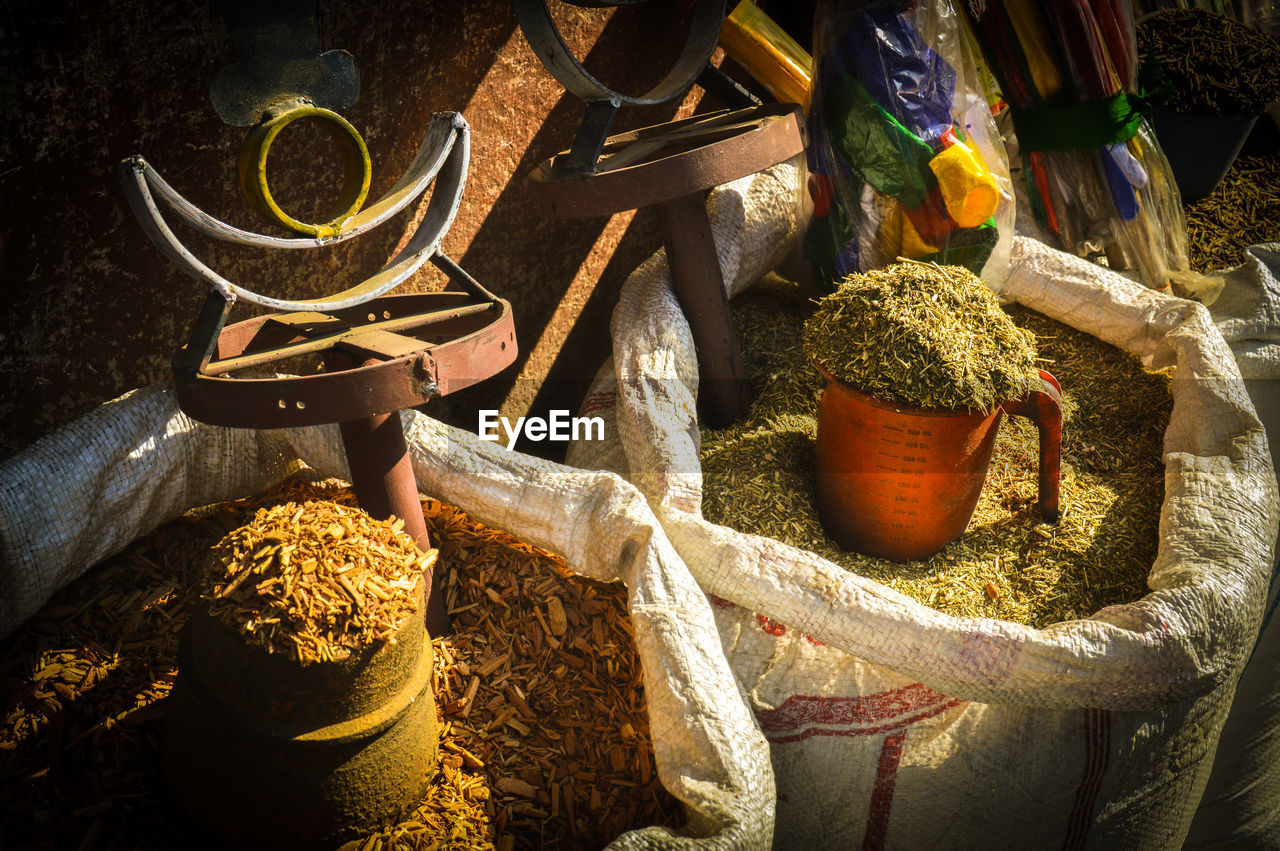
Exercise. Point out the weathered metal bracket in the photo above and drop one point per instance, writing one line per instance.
(672, 166)
(280, 59)
(380, 353)
(602, 102)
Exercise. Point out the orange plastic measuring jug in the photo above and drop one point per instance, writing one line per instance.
(901, 483)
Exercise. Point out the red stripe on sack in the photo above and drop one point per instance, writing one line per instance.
(1097, 758)
(597, 402)
(770, 626)
(882, 792)
(861, 731)
(800, 709)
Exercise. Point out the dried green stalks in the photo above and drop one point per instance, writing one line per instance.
(923, 335)
(758, 478)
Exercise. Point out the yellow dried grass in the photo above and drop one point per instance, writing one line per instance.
(758, 478)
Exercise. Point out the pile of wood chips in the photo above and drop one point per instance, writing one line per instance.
(545, 738)
(315, 581)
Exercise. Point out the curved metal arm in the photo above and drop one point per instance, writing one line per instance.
(445, 152)
(543, 36)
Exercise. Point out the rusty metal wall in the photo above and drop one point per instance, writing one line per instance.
(91, 309)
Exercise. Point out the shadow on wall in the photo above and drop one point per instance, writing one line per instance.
(91, 309)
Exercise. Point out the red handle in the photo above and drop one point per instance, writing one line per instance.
(1044, 408)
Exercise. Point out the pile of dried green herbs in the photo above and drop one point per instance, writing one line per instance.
(1243, 210)
(315, 581)
(758, 477)
(1216, 65)
(923, 335)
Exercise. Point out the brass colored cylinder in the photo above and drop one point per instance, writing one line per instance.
(767, 53)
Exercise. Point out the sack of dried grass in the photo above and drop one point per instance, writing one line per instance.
(892, 723)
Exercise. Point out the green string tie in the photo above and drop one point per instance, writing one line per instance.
(1094, 123)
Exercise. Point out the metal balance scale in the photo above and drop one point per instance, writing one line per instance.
(671, 166)
(258, 748)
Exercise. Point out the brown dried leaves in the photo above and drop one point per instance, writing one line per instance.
(315, 581)
(86, 679)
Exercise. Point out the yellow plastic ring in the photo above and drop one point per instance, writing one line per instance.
(356, 168)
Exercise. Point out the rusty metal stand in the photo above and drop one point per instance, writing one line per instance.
(382, 473)
(723, 389)
(381, 353)
(371, 374)
(333, 749)
(383, 481)
(673, 166)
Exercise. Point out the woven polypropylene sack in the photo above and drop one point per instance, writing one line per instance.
(1241, 804)
(87, 490)
(708, 751)
(893, 725)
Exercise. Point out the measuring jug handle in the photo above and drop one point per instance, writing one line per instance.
(1043, 406)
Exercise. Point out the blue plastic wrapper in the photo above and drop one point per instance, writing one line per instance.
(901, 158)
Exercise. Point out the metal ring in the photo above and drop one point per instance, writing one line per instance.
(479, 341)
(657, 164)
(356, 167)
(544, 37)
(444, 154)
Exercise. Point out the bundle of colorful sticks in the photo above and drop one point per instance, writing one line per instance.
(1095, 175)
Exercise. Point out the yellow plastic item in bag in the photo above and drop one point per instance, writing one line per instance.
(968, 188)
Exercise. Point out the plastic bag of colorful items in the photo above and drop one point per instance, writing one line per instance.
(903, 159)
(1096, 178)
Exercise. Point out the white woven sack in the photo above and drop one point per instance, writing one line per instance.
(87, 490)
(893, 725)
(1241, 804)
